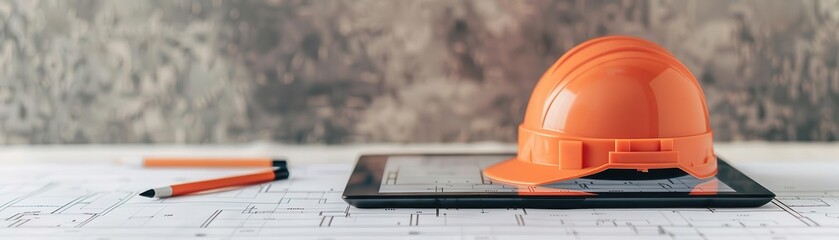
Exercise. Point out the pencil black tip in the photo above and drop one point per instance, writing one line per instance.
(148, 193)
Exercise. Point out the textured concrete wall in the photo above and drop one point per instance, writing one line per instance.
(380, 71)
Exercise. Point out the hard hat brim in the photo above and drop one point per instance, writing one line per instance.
(515, 171)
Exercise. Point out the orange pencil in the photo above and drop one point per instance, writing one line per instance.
(211, 162)
(199, 186)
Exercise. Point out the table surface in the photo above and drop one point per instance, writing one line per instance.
(98, 199)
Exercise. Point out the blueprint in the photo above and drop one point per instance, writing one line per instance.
(101, 202)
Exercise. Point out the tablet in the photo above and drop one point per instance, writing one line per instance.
(457, 181)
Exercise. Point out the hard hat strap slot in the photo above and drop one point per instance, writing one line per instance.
(570, 154)
(644, 151)
(644, 157)
(643, 145)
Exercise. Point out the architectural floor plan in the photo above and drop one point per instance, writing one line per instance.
(101, 202)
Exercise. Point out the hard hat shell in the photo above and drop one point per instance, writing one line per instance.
(612, 102)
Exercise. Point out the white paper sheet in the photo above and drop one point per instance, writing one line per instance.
(101, 202)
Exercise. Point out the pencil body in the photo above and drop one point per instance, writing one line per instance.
(211, 162)
(204, 185)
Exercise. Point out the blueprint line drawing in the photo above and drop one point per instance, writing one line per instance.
(101, 202)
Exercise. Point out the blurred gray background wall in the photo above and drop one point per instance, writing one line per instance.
(384, 71)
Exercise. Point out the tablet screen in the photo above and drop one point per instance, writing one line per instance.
(463, 174)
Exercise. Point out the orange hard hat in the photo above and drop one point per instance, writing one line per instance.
(612, 102)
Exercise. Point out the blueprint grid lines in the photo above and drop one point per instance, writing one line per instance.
(93, 206)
